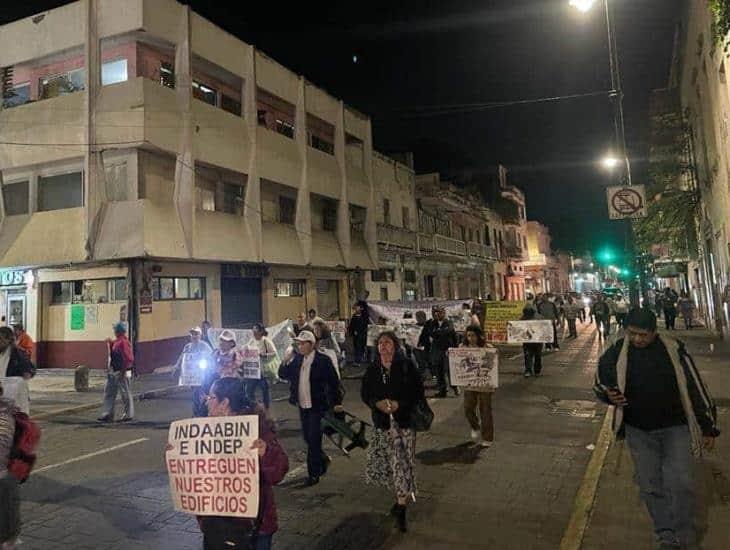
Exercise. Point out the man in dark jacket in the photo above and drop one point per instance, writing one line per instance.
(358, 330)
(549, 311)
(602, 312)
(441, 336)
(314, 388)
(666, 414)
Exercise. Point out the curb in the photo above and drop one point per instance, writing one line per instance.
(150, 394)
(586, 497)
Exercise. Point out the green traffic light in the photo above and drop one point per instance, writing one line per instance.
(606, 255)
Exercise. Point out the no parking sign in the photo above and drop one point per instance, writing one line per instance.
(626, 202)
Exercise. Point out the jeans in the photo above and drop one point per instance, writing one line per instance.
(253, 384)
(533, 358)
(664, 472)
(263, 542)
(118, 381)
(571, 328)
(312, 432)
(482, 422)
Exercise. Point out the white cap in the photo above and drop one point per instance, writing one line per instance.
(306, 336)
(196, 329)
(228, 336)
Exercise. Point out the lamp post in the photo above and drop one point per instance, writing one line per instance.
(617, 96)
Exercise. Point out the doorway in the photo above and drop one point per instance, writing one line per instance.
(240, 302)
(15, 308)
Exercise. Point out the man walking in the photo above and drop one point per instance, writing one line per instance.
(666, 414)
(442, 337)
(669, 305)
(549, 311)
(314, 388)
(119, 376)
(571, 311)
(602, 312)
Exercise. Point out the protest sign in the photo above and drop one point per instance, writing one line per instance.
(338, 330)
(525, 332)
(212, 469)
(498, 314)
(251, 363)
(395, 311)
(278, 333)
(16, 388)
(476, 368)
(193, 368)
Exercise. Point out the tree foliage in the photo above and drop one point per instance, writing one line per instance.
(721, 10)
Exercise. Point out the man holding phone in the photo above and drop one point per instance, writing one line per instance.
(666, 414)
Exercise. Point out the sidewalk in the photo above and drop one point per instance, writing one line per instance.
(52, 390)
(619, 518)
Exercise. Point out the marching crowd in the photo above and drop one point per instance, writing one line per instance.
(662, 406)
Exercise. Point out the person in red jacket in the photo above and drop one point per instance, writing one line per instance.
(228, 398)
(23, 341)
(119, 376)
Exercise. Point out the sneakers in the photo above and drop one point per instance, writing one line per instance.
(475, 435)
(104, 418)
(528, 374)
(486, 444)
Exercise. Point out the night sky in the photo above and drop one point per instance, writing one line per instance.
(426, 53)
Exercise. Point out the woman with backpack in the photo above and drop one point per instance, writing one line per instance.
(9, 488)
(392, 387)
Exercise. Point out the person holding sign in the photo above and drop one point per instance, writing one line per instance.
(479, 398)
(391, 388)
(227, 398)
(197, 353)
(119, 376)
(269, 360)
(442, 337)
(227, 362)
(196, 346)
(531, 350)
(314, 388)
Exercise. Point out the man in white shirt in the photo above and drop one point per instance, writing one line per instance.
(314, 389)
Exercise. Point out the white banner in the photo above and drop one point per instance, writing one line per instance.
(474, 368)
(213, 470)
(278, 333)
(530, 332)
(338, 330)
(193, 368)
(16, 388)
(395, 311)
(251, 366)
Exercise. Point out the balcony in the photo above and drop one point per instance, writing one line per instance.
(478, 250)
(425, 243)
(449, 245)
(514, 251)
(396, 237)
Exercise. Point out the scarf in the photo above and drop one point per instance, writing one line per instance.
(673, 351)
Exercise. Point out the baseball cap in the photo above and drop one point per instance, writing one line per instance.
(196, 329)
(228, 336)
(306, 336)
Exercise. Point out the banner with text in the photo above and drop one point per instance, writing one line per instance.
(212, 469)
(474, 368)
(338, 330)
(530, 332)
(497, 315)
(251, 363)
(279, 334)
(395, 311)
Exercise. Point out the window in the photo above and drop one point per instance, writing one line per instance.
(383, 292)
(287, 210)
(287, 289)
(17, 96)
(15, 196)
(329, 215)
(118, 290)
(113, 72)
(62, 292)
(61, 84)
(178, 288)
(406, 218)
(428, 286)
(486, 235)
(91, 291)
(231, 105)
(524, 242)
(284, 128)
(409, 275)
(410, 295)
(382, 275)
(205, 93)
(471, 235)
(167, 74)
(317, 142)
(59, 192)
(463, 232)
(206, 199)
(386, 211)
(232, 199)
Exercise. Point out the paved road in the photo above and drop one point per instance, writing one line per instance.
(105, 486)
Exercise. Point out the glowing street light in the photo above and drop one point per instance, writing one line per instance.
(609, 163)
(582, 5)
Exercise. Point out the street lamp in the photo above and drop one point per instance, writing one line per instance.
(610, 162)
(582, 5)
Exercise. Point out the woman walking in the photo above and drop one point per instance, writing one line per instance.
(686, 309)
(391, 388)
(227, 398)
(269, 365)
(478, 400)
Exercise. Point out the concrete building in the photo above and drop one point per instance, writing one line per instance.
(545, 271)
(157, 170)
(699, 74)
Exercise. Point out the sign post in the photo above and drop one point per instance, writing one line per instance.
(626, 203)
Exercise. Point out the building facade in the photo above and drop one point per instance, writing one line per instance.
(545, 271)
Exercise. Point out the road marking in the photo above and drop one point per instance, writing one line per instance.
(91, 455)
(586, 496)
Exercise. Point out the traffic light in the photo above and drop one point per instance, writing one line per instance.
(606, 255)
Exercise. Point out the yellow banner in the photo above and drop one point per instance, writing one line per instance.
(496, 318)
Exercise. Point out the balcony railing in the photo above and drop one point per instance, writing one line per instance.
(449, 245)
(396, 236)
(425, 243)
(478, 250)
(514, 251)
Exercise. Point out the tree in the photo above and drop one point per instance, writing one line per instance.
(721, 26)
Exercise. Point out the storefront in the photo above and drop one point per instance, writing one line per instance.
(13, 299)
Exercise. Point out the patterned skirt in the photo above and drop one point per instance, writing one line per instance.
(390, 460)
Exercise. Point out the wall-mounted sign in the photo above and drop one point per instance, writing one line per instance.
(78, 317)
(12, 278)
(145, 301)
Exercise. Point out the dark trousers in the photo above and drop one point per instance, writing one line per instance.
(605, 323)
(360, 347)
(312, 432)
(252, 385)
(621, 319)
(670, 316)
(221, 533)
(533, 358)
(571, 328)
(440, 364)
